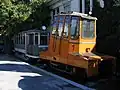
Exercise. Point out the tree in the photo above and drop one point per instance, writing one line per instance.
(108, 26)
(17, 15)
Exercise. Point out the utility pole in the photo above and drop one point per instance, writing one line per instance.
(91, 6)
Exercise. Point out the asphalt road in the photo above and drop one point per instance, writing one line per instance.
(17, 75)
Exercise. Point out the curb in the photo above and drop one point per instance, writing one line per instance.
(66, 80)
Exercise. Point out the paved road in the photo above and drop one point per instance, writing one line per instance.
(17, 75)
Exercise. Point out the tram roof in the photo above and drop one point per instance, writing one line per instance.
(78, 14)
(33, 30)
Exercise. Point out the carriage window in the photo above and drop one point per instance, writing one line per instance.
(88, 29)
(23, 39)
(31, 37)
(60, 28)
(36, 38)
(67, 20)
(74, 28)
(43, 40)
(19, 39)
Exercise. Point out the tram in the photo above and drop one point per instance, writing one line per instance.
(72, 44)
(28, 44)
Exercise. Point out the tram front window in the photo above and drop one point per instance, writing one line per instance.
(54, 26)
(74, 28)
(88, 29)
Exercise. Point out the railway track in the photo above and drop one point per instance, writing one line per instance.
(96, 83)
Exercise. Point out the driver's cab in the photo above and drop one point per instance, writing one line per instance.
(73, 33)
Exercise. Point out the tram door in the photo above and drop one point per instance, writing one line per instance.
(88, 35)
(60, 38)
(55, 39)
(64, 41)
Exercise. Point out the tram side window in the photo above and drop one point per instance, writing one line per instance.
(19, 39)
(67, 20)
(36, 38)
(24, 39)
(74, 28)
(60, 28)
(88, 29)
(31, 37)
(43, 40)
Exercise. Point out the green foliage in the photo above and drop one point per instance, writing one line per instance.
(16, 15)
(108, 26)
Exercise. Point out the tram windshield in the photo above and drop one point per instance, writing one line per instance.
(74, 28)
(88, 29)
(54, 25)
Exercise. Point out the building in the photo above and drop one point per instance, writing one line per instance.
(83, 6)
(58, 6)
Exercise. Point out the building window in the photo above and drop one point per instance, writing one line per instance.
(87, 8)
(80, 6)
(58, 10)
(53, 13)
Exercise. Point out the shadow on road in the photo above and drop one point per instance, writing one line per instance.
(20, 75)
(44, 83)
(36, 83)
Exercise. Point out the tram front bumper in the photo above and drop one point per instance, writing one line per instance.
(106, 65)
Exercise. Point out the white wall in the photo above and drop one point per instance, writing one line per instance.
(75, 5)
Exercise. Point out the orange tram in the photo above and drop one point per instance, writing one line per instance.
(72, 47)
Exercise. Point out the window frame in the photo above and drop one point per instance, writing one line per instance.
(55, 21)
(78, 27)
(36, 35)
(67, 20)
